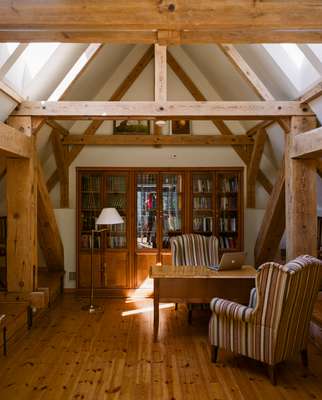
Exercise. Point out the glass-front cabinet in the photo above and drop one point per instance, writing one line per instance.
(146, 210)
(116, 196)
(172, 207)
(159, 205)
(155, 204)
(202, 203)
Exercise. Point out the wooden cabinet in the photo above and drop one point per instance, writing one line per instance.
(155, 203)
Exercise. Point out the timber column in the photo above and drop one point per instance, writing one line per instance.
(300, 195)
(22, 257)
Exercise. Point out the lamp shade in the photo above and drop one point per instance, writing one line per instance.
(109, 216)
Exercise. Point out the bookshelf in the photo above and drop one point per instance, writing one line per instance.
(156, 204)
(229, 211)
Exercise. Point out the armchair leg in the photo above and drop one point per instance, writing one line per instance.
(176, 306)
(272, 373)
(304, 358)
(214, 353)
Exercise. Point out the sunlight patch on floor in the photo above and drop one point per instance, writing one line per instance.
(146, 309)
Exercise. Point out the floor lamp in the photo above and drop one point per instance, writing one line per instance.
(108, 216)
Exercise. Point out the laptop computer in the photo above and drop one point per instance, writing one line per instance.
(230, 261)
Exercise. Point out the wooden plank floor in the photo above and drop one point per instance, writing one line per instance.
(70, 354)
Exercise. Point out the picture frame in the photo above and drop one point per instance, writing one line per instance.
(181, 127)
(131, 127)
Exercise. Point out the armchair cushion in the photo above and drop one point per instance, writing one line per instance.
(231, 310)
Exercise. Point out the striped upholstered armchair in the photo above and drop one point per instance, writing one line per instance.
(275, 324)
(193, 249)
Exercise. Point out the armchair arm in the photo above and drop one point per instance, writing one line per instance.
(231, 310)
(253, 298)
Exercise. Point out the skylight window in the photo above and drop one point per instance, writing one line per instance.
(317, 50)
(6, 49)
(30, 63)
(294, 64)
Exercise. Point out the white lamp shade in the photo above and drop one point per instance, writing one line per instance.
(109, 216)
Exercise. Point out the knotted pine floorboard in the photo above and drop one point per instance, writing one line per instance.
(70, 354)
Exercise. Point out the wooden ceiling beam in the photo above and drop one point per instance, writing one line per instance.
(224, 110)
(58, 127)
(14, 143)
(246, 72)
(311, 94)
(160, 73)
(8, 91)
(250, 76)
(307, 144)
(197, 22)
(149, 140)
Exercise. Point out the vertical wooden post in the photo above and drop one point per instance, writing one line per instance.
(253, 167)
(300, 195)
(61, 163)
(22, 217)
(160, 80)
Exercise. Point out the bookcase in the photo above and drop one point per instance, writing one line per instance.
(217, 207)
(156, 204)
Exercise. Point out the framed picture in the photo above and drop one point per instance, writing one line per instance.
(128, 127)
(181, 127)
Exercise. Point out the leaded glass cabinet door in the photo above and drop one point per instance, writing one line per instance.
(116, 196)
(147, 210)
(202, 203)
(171, 207)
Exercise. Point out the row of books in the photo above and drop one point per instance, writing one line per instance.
(171, 223)
(229, 185)
(91, 200)
(172, 201)
(118, 228)
(201, 202)
(202, 224)
(228, 203)
(146, 179)
(117, 201)
(88, 220)
(226, 242)
(117, 242)
(172, 182)
(91, 183)
(113, 241)
(202, 185)
(116, 184)
(147, 200)
(86, 241)
(228, 224)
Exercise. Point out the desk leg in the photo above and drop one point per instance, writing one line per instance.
(156, 309)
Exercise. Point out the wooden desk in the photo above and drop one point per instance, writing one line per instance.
(190, 284)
